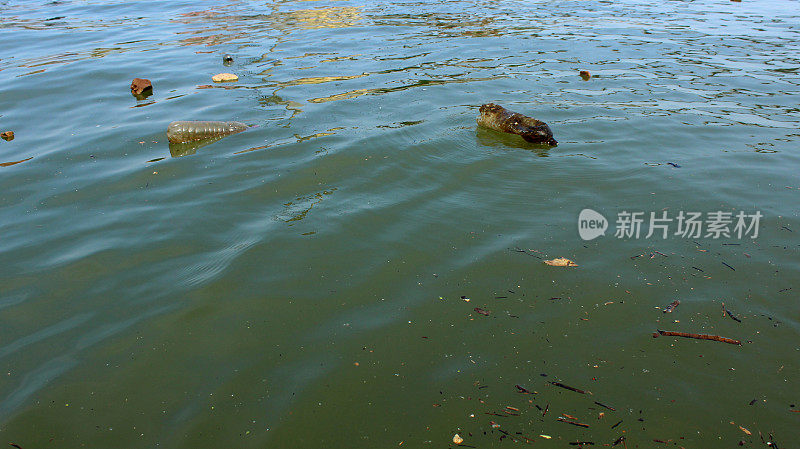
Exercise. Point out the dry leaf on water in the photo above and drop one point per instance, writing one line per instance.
(222, 77)
(561, 262)
(457, 439)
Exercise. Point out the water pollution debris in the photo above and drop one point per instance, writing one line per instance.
(672, 306)
(227, 60)
(571, 420)
(606, 406)
(567, 387)
(7, 135)
(483, 312)
(457, 439)
(185, 137)
(224, 77)
(141, 88)
(8, 164)
(673, 164)
(561, 262)
(585, 75)
(725, 311)
(501, 119)
(193, 131)
(697, 336)
(522, 389)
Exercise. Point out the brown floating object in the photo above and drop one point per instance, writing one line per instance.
(8, 164)
(139, 85)
(482, 311)
(606, 406)
(577, 390)
(523, 389)
(574, 423)
(7, 135)
(561, 262)
(700, 337)
(672, 306)
(586, 75)
(501, 119)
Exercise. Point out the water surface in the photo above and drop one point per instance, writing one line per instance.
(305, 283)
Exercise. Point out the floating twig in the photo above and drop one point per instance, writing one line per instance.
(730, 314)
(672, 306)
(482, 311)
(523, 389)
(734, 269)
(606, 406)
(574, 423)
(577, 390)
(700, 337)
(546, 408)
(615, 425)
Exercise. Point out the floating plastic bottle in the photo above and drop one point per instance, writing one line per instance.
(192, 131)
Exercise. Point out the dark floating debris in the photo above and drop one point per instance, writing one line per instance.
(567, 387)
(573, 422)
(482, 311)
(606, 406)
(227, 60)
(698, 336)
(672, 306)
(730, 314)
(7, 135)
(615, 426)
(673, 164)
(734, 269)
(501, 119)
(522, 389)
(585, 75)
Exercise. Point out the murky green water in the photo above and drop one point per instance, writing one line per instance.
(305, 283)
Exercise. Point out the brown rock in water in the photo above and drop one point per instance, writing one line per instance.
(7, 135)
(586, 75)
(139, 85)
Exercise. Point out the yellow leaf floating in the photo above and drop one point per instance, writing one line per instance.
(457, 439)
(222, 77)
(561, 262)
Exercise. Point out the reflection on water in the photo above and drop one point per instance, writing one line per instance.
(189, 148)
(499, 140)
